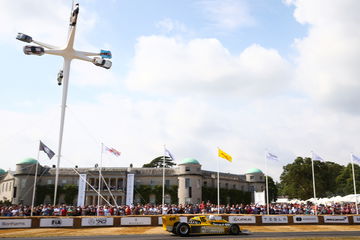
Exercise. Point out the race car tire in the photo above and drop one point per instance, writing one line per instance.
(234, 229)
(183, 229)
(174, 230)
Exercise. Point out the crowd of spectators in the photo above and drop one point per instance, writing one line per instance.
(202, 208)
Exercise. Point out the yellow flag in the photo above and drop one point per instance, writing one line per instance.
(224, 155)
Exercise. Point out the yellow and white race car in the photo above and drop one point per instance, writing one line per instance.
(208, 224)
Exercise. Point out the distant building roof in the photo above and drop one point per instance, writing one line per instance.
(190, 161)
(28, 161)
(253, 170)
(2, 171)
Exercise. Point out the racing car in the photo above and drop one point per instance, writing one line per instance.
(207, 224)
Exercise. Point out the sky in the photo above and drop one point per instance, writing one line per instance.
(247, 76)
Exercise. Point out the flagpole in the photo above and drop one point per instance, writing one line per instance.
(267, 185)
(353, 173)
(218, 187)
(163, 182)
(313, 177)
(35, 179)
(226, 156)
(99, 188)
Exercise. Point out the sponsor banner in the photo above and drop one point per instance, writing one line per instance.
(97, 221)
(15, 223)
(242, 219)
(130, 189)
(274, 219)
(81, 190)
(336, 219)
(182, 219)
(305, 219)
(213, 230)
(135, 221)
(356, 219)
(56, 222)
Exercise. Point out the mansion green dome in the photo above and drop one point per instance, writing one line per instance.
(2, 171)
(190, 161)
(253, 170)
(28, 161)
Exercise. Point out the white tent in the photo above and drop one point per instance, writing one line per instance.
(338, 199)
(351, 198)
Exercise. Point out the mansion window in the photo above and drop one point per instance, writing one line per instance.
(187, 182)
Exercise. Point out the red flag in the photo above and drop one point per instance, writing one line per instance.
(113, 151)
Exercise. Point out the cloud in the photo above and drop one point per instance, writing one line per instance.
(168, 25)
(46, 21)
(227, 14)
(87, 74)
(189, 126)
(329, 56)
(204, 66)
(36, 18)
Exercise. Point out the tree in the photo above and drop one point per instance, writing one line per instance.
(227, 196)
(344, 181)
(330, 174)
(296, 179)
(273, 190)
(158, 162)
(71, 192)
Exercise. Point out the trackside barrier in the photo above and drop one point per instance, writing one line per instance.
(147, 220)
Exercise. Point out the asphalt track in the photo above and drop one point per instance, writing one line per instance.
(255, 235)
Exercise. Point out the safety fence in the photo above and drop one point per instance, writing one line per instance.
(123, 221)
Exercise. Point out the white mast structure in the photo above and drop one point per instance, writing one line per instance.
(354, 182)
(68, 53)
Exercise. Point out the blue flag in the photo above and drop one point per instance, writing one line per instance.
(167, 152)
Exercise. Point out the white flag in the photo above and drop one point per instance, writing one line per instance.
(270, 156)
(355, 158)
(167, 152)
(316, 157)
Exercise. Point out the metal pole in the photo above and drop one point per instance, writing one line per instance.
(218, 188)
(353, 173)
(267, 186)
(163, 183)
(99, 188)
(313, 177)
(66, 73)
(34, 188)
